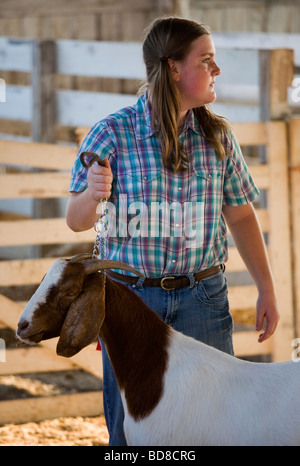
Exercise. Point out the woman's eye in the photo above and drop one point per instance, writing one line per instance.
(206, 60)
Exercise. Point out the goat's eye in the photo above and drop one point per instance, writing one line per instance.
(66, 299)
(71, 293)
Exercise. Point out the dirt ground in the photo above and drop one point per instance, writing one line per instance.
(65, 431)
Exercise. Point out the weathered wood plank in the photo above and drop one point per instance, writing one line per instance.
(16, 54)
(236, 113)
(261, 175)
(38, 408)
(105, 59)
(259, 40)
(23, 272)
(242, 297)
(20, 103)
(235, 262)
(252, 134)
(34, 185)
(43, 85)
(37, 155)
(276, 75)
(294, 131)
(41, 231)
(280, 237)
(35, 359)
(77, 108)
(246, 344)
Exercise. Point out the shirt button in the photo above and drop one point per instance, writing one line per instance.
(173, 261)
(145, 178)
(179, 189)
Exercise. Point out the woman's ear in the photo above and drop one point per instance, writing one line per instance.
(175, 69)
(85, 317)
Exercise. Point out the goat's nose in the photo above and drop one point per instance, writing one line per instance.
(23, 324)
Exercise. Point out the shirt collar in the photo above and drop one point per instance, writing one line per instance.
(191, 123)
(144, 119)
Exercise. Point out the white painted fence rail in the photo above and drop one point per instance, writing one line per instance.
(239, 87)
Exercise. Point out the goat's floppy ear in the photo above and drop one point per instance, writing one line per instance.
(84, 318)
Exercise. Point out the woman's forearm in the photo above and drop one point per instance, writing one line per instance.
(249, 241)
(81, 211)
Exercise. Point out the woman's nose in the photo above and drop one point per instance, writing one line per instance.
(216, 70)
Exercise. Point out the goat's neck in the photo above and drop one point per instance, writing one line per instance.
(136, 340)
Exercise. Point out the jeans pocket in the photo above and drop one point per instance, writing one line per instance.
(213, 291)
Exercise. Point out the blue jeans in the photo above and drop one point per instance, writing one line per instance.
(200, 311)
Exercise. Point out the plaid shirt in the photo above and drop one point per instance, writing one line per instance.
(160, 222)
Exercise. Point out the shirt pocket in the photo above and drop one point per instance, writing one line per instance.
(207, 182)
(139, 185)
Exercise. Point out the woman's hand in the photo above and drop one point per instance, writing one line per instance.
(267, 310)
(99, 181)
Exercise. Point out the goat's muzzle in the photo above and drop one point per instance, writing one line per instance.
(28, 334)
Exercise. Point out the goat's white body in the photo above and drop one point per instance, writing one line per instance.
(211, 398)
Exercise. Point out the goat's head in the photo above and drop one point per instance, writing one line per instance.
(70, 303)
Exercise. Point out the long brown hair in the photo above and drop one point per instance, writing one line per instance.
(172, 38)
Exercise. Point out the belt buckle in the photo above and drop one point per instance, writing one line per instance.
(163, 281)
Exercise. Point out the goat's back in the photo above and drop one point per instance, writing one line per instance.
(211, 398)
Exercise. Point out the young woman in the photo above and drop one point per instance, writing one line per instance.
(178, 168)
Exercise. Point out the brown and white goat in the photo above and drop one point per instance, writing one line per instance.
(175, 390)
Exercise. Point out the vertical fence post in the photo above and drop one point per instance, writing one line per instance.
(43, 116)
(294, 131)
(276, 75)
(280, 238)
(43, 91)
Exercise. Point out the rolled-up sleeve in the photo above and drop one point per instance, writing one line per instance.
(239, 186)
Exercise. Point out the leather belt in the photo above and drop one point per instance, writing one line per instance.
(167, 282)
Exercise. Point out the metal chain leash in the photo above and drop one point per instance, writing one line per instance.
(101, 228)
